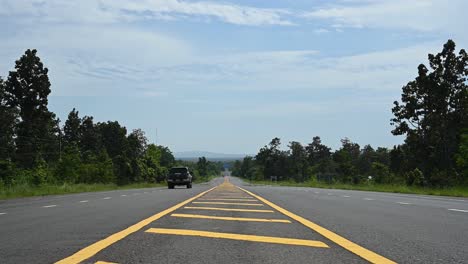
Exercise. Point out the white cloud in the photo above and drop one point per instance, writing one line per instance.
(108, 11)
(422, 15)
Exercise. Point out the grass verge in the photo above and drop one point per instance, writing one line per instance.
(460, 191)
(48, 189)
(26, 190)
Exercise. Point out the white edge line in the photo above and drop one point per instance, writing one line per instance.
(123, 195)
(49, 206)
(404, 203)
(3, 213)
(106, 198)
(458, 210)
(369, 199)
(84, 201)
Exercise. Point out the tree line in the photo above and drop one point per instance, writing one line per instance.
(433, 117)
(35, 149)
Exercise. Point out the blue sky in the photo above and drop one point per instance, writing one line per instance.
(227, 76)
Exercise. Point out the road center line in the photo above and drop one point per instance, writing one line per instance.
(123, 195)
(106, 198)
(84, 201)
(458, 210)
(49, 206)
(246, 204)
(232, 218)
(2, 213)
(93, 249)
(264, 239)
(227, 199)
(369, 199)
(404, 203)
(343, 242)
(346, 196)
(229, 209)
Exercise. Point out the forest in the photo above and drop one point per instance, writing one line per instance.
(432, 115)
(36, 149)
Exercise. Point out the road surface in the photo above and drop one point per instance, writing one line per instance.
(229, 221)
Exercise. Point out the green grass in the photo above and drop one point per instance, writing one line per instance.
(461, 191)
(27, 190)
(48, 189)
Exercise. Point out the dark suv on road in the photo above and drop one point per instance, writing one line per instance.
(179, 176)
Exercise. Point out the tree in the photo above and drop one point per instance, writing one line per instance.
(137, 143)
(367, 157)
(68, 168)
(27, 89)
(320, 159)
(202, 167)
(434, 110)
(71, 130)
(89, 138)
(462, 158)
(114, 138)
(167, 159)
(298, 161)
(347, 157)
(8, 121)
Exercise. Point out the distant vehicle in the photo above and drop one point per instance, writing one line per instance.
(179, 176)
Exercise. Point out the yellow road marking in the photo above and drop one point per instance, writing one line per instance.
(227, 199)
(247, 204)
(232, 218)
(265, 239)
(229, 209)
(103, 262)
(93, 249)
(345, 243)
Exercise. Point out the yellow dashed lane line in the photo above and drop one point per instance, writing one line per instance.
(227, 199)
(264, 239)
(93, 249)
(232, 218)
(246, 204)
(345, 243)
(229, 209)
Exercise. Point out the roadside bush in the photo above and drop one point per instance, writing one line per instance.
(415, 177)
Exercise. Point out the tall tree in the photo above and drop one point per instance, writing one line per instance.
(167, 159)
(8, 120)
(114, 138)
(71, 130)
(434, 110)
(319, 156)
(27, 89)
(298, 161)
(137, 144)
(202, 166)
(90, 137)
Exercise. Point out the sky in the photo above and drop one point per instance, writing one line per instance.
(228, 76)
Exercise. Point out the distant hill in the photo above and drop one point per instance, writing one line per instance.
(189, 155)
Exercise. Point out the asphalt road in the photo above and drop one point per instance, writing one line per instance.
(255, 224)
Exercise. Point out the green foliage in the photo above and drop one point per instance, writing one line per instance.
(68, 168)
(7, 171)
(26, 90)
(35, 151)
(381, 173)
(71, 130)
(433, 114)
(461, 157)
(415, 177)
